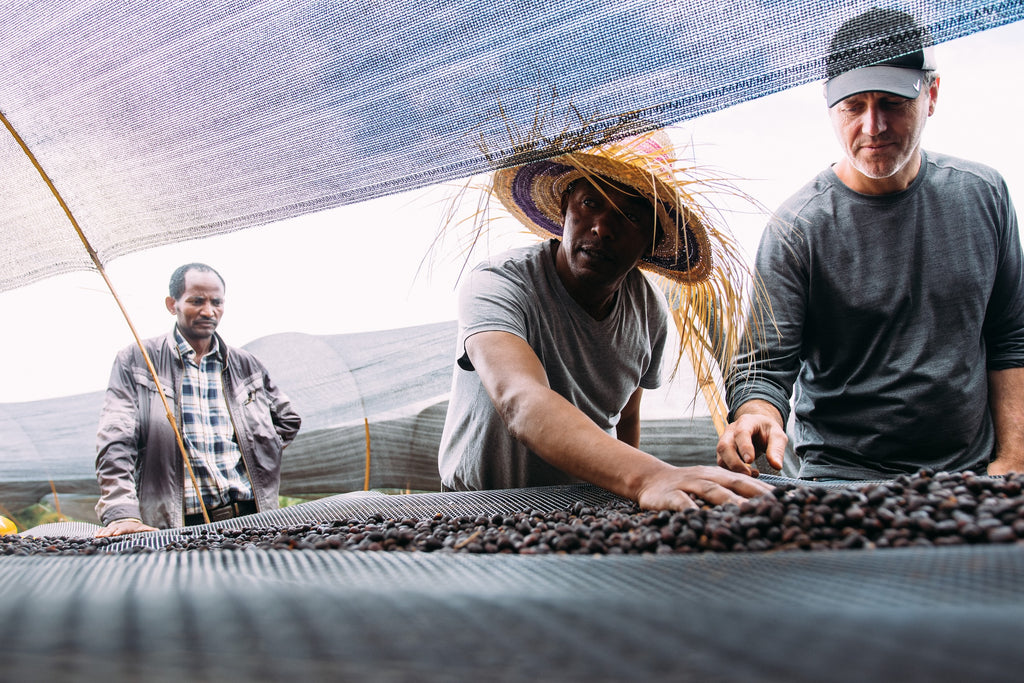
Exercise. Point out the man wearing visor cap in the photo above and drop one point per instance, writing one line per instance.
(893, 312)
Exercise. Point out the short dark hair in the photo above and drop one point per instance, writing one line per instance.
(177, 284)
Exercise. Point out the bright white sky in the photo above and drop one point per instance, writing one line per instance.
(353, 269)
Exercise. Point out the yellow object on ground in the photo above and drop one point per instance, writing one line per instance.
(7, 527)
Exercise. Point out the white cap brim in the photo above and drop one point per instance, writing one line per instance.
(890, 79)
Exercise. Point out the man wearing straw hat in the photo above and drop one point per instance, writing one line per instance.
(896, 287)
(233, 420)
(558, 340)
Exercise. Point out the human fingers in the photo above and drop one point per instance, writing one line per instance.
(710, 484)
(679, 501)
(716, 494)
(748, 487)
(122, 528)
(109, 530)
(718, 486)
(998, 469)
(1005, 462)
(665, 497)
(727, 452)
(731, 487)
(776, 447)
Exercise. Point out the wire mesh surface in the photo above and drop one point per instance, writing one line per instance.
(913, 615)
(362, 504)
(921, 614)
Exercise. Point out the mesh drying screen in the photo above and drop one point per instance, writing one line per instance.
(918, 614)
(913, 615)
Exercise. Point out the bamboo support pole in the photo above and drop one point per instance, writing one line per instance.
(56, 502)
(366, 476)
(103, 273)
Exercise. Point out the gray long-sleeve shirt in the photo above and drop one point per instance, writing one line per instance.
(889, 311)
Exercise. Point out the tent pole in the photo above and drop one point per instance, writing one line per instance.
(103, 273)
(366, 475)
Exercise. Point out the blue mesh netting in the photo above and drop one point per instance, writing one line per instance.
(164, 121)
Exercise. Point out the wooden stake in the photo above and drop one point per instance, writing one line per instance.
(103, 273)
(366, 477)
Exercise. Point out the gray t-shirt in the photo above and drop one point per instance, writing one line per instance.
(888, 313)
(595, 364)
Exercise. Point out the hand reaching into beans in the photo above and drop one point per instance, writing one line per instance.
(123, 526)
(757, 428)
(711, 484)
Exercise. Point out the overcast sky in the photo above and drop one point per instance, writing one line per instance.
(354, 268)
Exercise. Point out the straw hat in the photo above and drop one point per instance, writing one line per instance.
(694, 261)
(532, 193)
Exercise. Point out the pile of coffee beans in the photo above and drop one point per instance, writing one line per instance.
(920, 510)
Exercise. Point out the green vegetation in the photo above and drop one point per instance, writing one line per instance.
(35, 515)
(43, 513)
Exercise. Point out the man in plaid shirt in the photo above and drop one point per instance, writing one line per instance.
(233, 421)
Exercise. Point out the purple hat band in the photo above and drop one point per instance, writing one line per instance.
(542, 176)
(545, 172)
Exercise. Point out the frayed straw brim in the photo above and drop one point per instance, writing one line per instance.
(695, 263)
(532, 193)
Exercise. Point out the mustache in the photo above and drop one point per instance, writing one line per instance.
(875, 140)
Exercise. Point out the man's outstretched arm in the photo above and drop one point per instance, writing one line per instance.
(560, 433)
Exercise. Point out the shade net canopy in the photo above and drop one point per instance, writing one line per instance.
(160, 122)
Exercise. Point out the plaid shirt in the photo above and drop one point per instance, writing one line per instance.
(208, 433)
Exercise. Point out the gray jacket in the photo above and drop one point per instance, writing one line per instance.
(139, 467)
